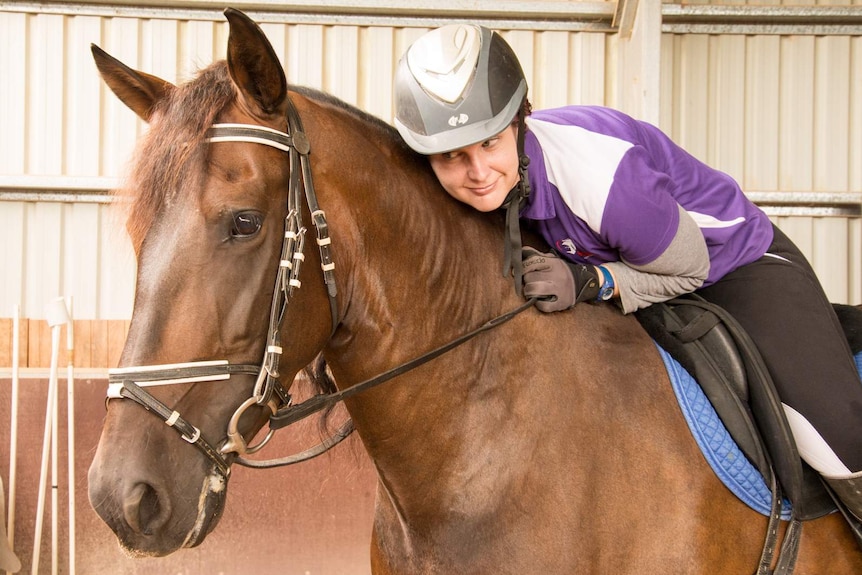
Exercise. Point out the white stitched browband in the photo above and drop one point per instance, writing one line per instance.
(284, 147)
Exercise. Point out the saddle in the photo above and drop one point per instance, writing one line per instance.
(717, 352)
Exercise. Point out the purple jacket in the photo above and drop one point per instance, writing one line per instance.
(605, 188)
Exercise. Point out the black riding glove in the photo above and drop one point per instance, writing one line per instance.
(556, 283)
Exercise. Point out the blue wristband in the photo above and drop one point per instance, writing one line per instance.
(606, 292)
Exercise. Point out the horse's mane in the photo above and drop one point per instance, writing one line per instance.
(168, 155)
(369, 120)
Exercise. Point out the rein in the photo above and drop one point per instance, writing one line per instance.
(268, 392)
(289, 414)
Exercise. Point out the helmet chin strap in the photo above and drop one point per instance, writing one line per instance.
(516, 198)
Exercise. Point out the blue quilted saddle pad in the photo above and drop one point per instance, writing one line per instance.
(723, 454)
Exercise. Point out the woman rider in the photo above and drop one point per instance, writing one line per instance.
(635, 219)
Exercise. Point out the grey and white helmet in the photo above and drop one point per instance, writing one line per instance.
(456, 86)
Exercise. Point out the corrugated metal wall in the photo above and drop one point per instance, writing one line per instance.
(782, 113)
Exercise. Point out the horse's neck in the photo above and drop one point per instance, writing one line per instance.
(418, 278)
(423, 429)
(420, 270)
(424, 273)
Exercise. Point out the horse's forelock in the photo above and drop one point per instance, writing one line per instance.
(169, 157)
(166, 158)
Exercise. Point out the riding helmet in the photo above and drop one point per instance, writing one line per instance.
(456, 85)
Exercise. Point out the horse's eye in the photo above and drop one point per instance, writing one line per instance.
(245, 224)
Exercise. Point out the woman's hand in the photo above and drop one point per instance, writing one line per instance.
(557, 284)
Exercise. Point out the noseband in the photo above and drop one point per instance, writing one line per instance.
(129, 382)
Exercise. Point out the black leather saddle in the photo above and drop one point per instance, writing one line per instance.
(718, 353)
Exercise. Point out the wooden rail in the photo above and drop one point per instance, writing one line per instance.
(98, 343)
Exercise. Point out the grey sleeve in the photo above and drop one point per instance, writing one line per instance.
(682, 268)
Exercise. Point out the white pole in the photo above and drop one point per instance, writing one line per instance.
(56, 317)
(70, 422)
(55, 362)
(13, 431)
(43, 473)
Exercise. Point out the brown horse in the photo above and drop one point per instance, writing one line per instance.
(549, 444)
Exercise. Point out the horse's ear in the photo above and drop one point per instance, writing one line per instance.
(254, 66)
(137, 90)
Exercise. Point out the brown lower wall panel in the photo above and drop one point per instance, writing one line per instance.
(6, 341)
(97, 343)
(313, 518)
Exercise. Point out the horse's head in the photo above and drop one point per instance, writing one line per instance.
(208, 208)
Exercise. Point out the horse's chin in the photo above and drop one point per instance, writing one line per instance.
(210, 507)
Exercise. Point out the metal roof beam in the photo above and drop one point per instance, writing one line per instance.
(751, 19)
(624, 17)
(499, 14)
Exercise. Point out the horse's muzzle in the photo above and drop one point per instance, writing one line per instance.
(146, 516)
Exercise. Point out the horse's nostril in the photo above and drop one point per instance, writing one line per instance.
(145, 512)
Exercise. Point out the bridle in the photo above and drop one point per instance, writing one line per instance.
(268, 391)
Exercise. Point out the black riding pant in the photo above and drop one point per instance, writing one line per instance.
(779, 301)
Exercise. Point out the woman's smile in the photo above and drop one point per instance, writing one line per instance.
(480, 175)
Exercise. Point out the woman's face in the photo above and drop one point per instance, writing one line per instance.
(482, 174)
